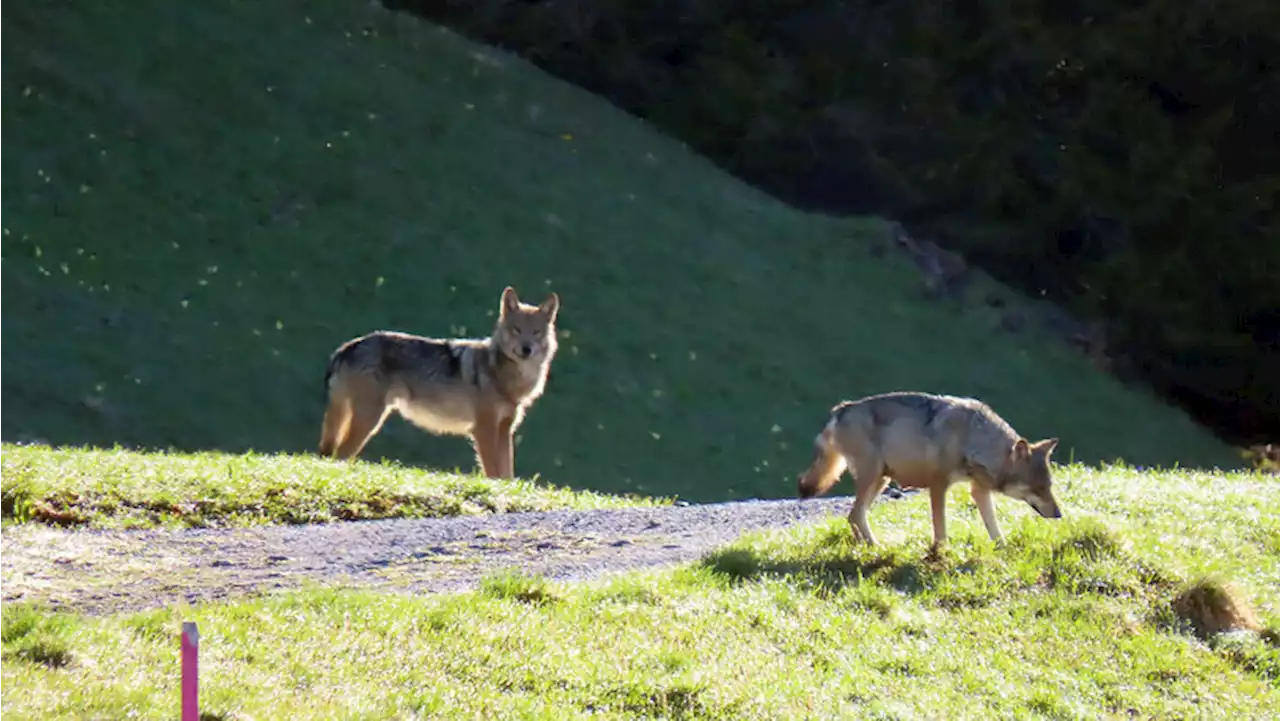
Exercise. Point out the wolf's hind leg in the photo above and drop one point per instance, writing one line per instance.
(367, 416)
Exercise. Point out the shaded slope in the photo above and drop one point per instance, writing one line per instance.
(201, 202)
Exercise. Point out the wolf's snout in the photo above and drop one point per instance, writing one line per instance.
(526, 350)
(803, 490)
(1048, 510)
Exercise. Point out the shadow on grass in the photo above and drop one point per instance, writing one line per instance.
(1256, 653)
(943, 580)
(951, 581)
(1087, 561)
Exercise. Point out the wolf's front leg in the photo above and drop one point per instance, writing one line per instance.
(986, 506)
(488, 446)
(868, 482)
(506, 448)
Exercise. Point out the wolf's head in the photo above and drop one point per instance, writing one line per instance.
(526, 332)
(1026, 476)
(825, 469)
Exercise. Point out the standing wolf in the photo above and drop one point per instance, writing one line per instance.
(929, 441)
(479, 388)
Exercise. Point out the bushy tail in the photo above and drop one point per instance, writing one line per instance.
(333, 431)
(328, 372)
(337, 359)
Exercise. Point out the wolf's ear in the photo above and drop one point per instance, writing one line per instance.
(510, 301)
(550, 307)
(1046, 446)
(1021, 450)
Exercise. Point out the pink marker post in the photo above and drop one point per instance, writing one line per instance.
(190, 672)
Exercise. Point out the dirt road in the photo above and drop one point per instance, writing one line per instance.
(110, 571)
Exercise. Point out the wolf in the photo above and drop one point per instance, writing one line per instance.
(475, 387)
(929, 441)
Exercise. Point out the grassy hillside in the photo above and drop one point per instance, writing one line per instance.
(1072, 620)
(202, 200)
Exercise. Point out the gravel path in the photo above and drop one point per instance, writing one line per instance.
(110, 571)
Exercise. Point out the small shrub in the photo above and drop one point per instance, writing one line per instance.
(1213, 607)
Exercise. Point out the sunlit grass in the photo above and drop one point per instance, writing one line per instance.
(1073, 619)
(118, 488)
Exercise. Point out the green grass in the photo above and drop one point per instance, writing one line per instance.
(119, 488)
(202, 200)
(1071, 619)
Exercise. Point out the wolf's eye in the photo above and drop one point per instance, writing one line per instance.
(537, 334)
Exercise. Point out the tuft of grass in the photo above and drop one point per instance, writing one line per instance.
(794, 623)
(33, 637)
(1256, 653)
(119, 488)
(517, 586)
(373, 171)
